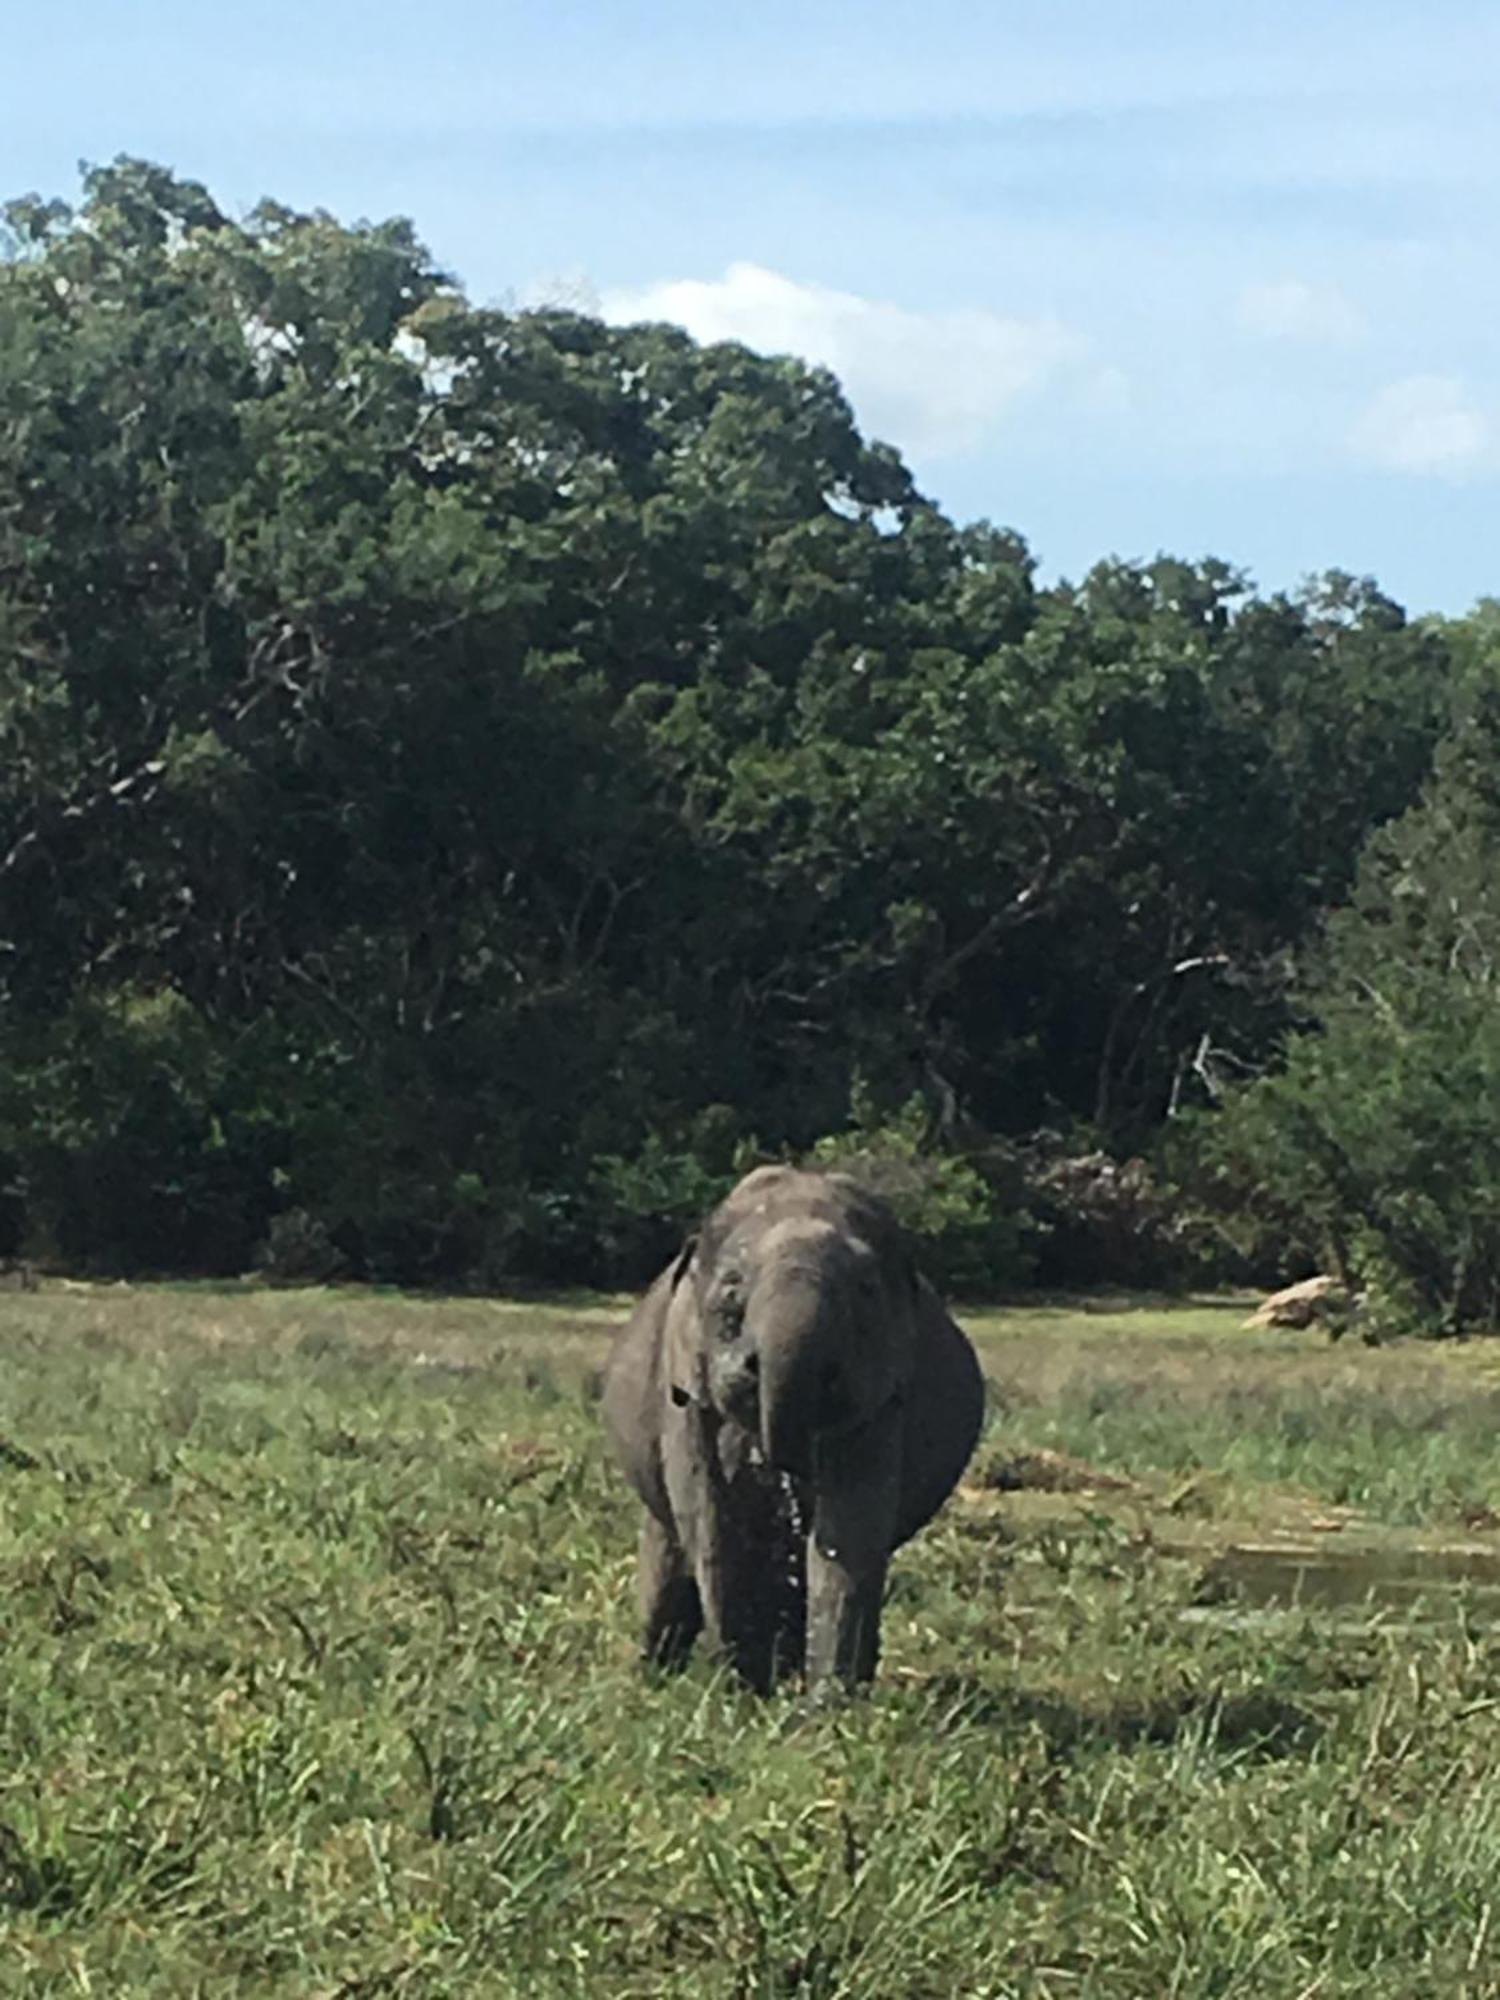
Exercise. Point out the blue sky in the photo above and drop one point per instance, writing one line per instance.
(1127, 277)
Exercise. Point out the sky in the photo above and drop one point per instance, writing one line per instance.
(1129, 276)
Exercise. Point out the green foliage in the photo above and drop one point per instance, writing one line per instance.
(132, 1135)
(644, 1205)
(511, 737)
(1383, 1127)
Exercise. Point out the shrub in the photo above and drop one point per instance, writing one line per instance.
(298, 1250)
(645, 1203)
(1382, 1128)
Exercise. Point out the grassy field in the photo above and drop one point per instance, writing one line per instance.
(318, 1677)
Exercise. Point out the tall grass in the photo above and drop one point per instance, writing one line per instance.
(318, 1680)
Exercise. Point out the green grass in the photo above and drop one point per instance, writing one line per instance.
(318, 1680)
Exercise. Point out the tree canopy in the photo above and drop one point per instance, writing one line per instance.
(470, 776)
(1380, 1129)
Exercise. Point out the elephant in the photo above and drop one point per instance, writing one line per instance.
(792, 1402)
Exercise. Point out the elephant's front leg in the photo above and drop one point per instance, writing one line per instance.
(671, 1613)
(857, 1491)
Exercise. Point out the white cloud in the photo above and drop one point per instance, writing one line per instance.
(1426, 424)
(937, 384)
(1290, 309)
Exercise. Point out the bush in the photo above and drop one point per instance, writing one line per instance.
(645, 1203)
(1246, 1230)
(298, 1250)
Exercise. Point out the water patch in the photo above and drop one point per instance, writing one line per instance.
(1411, 1581)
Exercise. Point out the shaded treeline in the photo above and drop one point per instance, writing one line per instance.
(468, 777)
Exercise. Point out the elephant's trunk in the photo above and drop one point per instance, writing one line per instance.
(797, 1370)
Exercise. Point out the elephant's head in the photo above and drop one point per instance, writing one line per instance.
(798, 1310)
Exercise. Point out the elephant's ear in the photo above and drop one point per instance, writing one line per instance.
(908, 1289)
(681, 1346)
(944, 1410)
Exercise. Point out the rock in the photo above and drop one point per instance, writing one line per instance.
(1314, 1301)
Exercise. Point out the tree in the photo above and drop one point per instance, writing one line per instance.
(1382, 1128)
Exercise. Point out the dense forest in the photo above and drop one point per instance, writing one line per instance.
(471, 780)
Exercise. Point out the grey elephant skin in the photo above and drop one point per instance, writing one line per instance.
(791, 1401)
